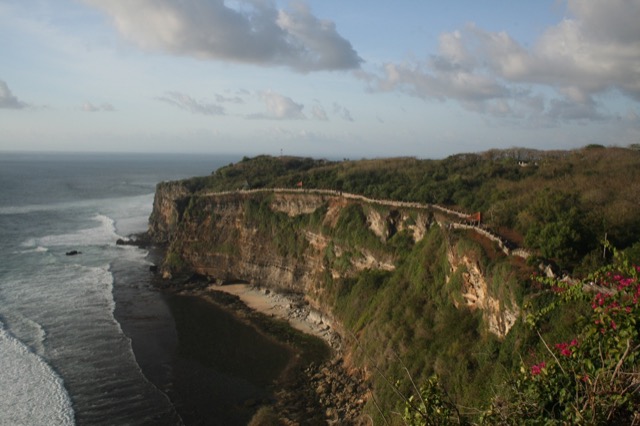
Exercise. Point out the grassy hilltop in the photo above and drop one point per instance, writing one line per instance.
(561, 203)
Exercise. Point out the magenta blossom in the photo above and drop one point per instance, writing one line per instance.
(537, 368)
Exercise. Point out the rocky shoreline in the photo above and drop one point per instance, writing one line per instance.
(316, 388)
(289, 307)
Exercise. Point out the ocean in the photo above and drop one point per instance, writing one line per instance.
(86, 339)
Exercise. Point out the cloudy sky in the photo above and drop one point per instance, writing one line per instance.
(357, 78)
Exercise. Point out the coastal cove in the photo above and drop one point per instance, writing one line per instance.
(93, 339)
(236, 350)
(90, 336)
(214, 368)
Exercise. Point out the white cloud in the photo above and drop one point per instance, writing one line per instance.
(253, 31)
(282, 134)
(229, 99)
(279, 107)
(187, 103)
(581, 58)
(318, 112)
(89, 107)
(567, 110)
(8, 100)
(342, 112)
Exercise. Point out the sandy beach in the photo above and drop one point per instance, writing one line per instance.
(298, 314)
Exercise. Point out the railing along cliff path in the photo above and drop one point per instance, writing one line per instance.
(507, 247)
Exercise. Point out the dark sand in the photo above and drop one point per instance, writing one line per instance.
(214, 368)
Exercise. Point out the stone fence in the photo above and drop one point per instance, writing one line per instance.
(507, 247)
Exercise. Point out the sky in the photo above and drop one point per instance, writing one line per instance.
(324, 78)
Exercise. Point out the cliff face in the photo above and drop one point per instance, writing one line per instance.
(217, 236)
(298, 241)
(168, 206)
(498, 315)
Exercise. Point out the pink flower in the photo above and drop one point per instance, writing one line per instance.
(599, 300)
(613, 324)
(564, 348)
(537, 368)
(625, 283)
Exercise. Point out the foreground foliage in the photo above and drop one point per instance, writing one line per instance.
(593, 378)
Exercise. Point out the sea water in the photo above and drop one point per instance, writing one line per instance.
(64, 358)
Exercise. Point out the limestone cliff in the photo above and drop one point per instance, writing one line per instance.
(216, 236)
(499, 315)
(296, 241)
(168, 205)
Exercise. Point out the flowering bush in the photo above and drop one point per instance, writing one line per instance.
(595, 377)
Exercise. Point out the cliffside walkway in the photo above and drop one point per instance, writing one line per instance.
(461, 222)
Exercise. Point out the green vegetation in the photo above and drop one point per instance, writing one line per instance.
(432, 359)
(280, 230)
(560, 203)
(405, 321)
(592, 376)
(174, 261)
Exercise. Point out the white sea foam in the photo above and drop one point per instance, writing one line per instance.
(103, 234)
(131, 214)
(56, 312)
(32, 208)
(74, 205)
(31, 393)
(30, 243)
(30, 332)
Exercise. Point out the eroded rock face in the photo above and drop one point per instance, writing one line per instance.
(297, 204)
(214, 236)
(475, 291)
(378, 224)
(385, 224)
(168, 205)
(211, 236)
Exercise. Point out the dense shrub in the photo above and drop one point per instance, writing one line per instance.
(590, 377)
